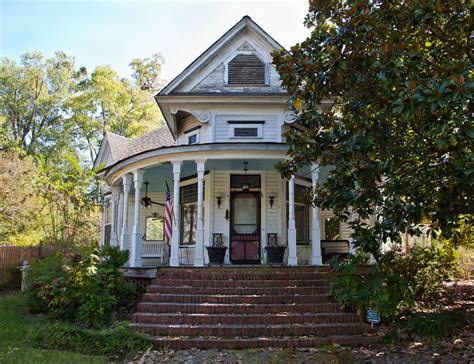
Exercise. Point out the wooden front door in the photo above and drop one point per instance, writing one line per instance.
(245, 227)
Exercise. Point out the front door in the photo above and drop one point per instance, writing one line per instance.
(245, 227)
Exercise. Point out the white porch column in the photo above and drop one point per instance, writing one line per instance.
(136, 251)
(113, 225)
(125, 239)
(352, 249)
(292, 254)
(316, 257)
(199, 251)
(174, 256)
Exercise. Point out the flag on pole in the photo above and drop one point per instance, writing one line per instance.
(168, 216)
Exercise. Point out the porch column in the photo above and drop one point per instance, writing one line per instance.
(136, 251)
(174, 256)
(316, 257)
(125, 239)
(113, 225)
(199, 251)
(352, 249)
(292, 255)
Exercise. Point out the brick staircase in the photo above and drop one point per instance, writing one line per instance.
(245, 308)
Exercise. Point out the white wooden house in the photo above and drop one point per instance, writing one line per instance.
(225, 112)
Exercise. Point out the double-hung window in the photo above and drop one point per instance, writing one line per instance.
(188, 200)
(302, 206)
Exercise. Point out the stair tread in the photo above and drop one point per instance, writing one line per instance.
(306, 314)
(240, 326)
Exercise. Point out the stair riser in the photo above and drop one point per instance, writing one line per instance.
(184, 344)
(252, 331)
(244, 319)
(238, 290)
(241, 276)
(236, 299)
(253, 283)
(233, 309)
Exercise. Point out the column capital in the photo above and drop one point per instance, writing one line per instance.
(127, 179)
(200, 165)
(176, 166)
(138, 175)
(115, 192)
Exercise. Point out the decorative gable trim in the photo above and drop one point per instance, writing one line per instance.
(204, 58)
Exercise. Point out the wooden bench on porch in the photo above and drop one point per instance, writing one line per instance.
(332, 248)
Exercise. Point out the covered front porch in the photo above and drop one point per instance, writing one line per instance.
(236, 199)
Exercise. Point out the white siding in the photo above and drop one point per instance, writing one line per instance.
(272, 179)
(220, 224)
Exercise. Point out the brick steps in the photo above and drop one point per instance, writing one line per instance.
(239, 290)
(255, 319)
(244, 308)
(251, 330)
(235, 299)
(182, 343)
(237, 283)
(206, 308)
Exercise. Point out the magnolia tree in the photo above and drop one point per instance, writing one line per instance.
(399, 134)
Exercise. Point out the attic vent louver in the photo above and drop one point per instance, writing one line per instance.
(246, 69)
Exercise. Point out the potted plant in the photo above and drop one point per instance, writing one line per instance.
(275, 252)
(216, 252)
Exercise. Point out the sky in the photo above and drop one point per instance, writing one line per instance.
(107, 32)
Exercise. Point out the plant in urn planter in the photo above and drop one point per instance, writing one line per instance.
(275, 252)
(216, 252)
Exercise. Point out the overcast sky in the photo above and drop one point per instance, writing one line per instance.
(115, 32)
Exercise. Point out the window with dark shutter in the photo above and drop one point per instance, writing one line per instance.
(246, 69)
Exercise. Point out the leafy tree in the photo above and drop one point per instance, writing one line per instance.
(399, 133)
(32, 98)
(69, 213)
(147, 72)
(18, 203)
(106, 102)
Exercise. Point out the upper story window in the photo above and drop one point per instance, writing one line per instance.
(192, 139)
(246, 69)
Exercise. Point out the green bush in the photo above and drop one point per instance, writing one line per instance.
(117, 341)
(88, 289)
(396, 283)
(11, 279)
(435, 325)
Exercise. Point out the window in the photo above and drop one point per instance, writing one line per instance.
(246, 69)
(192, 139)
(331, 228)
(236, 180)
(245, 132)
(107, 221)
(188, 200)
(154, 228)
(301, 213)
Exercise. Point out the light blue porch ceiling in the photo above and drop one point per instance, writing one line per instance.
(157, 176)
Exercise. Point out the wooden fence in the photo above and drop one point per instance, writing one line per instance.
(13, 256)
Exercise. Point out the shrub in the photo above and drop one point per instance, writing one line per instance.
(435, 325)
(11, 279)
(117, 341)
(87, 289)
(396, 283)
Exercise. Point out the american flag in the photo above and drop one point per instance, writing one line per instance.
(168, 216)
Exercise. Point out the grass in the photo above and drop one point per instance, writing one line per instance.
(16, 325)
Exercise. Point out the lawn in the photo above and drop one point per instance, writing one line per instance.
(16, 323)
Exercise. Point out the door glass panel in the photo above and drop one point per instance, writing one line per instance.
(245, 215)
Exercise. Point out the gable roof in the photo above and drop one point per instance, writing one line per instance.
(121, 147)
(245, 22)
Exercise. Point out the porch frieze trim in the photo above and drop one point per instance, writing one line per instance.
(195, 152)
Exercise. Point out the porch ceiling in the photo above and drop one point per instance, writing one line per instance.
(158, 175)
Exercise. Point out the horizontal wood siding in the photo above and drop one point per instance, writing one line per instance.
(272, 179)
